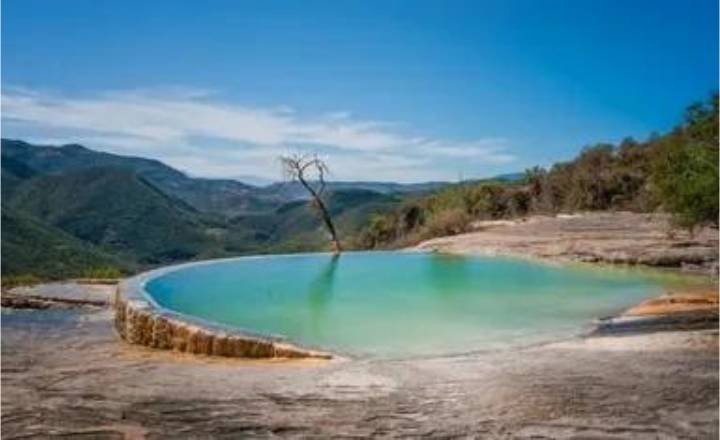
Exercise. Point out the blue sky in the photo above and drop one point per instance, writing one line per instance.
(385, 90)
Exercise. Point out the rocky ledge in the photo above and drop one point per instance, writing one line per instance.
(140, 322)
(68, 294)
(674, 311)
(606, 237)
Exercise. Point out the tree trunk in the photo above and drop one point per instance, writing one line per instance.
(325, 216)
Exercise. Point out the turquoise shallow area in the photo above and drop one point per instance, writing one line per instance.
(401, 303)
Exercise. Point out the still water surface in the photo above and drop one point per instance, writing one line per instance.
(402, 303)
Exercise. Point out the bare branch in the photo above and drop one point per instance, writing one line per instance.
(295, 166)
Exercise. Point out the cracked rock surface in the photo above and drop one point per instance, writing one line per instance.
(66, 374)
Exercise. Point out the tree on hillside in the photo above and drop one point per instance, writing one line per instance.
(299, 168)
(676, 172)
(685, 170)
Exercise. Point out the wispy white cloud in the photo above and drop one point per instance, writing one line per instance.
(194, 130)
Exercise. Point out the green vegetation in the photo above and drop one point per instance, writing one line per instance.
(73, 212)
(104, 272)
(293, 227)
(686, 167)
(676, 173)
(119, 212)
(33, 251)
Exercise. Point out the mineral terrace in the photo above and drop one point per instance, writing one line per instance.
(650, 373)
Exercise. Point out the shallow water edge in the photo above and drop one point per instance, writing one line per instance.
(140, 320)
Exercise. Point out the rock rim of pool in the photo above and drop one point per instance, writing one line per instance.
(141, 321)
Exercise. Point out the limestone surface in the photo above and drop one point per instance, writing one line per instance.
(604, 237)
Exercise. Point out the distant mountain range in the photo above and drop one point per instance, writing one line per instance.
(69, 208)
(224, 196)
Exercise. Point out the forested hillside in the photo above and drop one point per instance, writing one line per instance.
(70, 211)
(32, 250)
(676, 172)
(227, 197)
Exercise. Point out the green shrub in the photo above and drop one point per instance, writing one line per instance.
(9, 281)
(686, 179)
(685, 172)
(677, 172)
(381, 229)
(104, 272)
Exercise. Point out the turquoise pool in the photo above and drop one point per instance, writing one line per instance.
(401, 303)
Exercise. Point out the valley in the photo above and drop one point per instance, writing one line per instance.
(69, 211)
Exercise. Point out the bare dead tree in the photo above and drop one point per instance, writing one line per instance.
(297, 167)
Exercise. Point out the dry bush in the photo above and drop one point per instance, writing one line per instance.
(448, 222)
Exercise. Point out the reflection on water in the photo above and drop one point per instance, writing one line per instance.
(319, 292)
